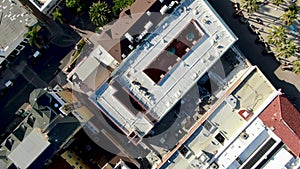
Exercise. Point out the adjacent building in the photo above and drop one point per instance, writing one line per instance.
(120, 165)
(13, 21)
(46, 6)
(54, 118)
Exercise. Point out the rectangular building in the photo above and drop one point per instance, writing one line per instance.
(162, 69)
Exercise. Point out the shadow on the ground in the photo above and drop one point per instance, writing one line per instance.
(79, 20)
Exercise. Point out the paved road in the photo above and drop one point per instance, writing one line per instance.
(254, 52)
(26, 78)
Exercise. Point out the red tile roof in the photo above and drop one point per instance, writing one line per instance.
(281, 115)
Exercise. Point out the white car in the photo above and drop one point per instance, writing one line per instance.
(36, 54)
(8, 84)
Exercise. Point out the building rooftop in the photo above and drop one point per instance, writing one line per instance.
(116, 37)
(224, 125)
(28, 150)
(283, 118)
(92, 70)
(281, 159)
(197, 50)
(13, 19)
(44, 6)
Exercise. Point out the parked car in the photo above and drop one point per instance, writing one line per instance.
(36, 54)
(8, 84)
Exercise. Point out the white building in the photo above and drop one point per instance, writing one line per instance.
(160, 71)
(46, 6)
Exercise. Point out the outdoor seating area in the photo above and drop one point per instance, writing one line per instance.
(174, 52)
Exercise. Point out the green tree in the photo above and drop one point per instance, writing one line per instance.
(276, 35)
(294, 8)
(289, 17)
(277, 2)
(121, 4)
(250, 5)
(286, 49)
(75, 4)
(33, 35)
(100, 13)
(57, 16)
(296, 67)
(290, 48)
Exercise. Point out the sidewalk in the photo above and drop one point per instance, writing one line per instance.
(269, 15)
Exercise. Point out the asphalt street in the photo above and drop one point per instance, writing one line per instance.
(28, 74)
(254, 51)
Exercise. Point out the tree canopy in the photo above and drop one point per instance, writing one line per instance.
(121, 4)
(78, 4)
(33, 36)
(100, 13)
(250, 5)
(289, 16)
(57, 16)
(277, 2)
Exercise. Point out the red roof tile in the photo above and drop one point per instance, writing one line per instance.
(281, 115)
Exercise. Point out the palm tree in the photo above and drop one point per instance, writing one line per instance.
(296, 67)
(276, 35)
(78, 4)
(277, 2)
(32, 34)
(99, 13)
(285, 49)
(119, 5)
(288, 17)
(57, 16)
(250, 5)
(290, 48)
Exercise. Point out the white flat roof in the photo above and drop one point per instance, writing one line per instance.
(279, 160)
(29, 149)
(44, 5)
(217, 38)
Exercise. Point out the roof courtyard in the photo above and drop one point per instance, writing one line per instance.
(189, 41)
(174, 52)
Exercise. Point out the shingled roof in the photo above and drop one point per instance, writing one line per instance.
(284, 118)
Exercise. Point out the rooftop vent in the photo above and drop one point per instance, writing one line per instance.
(244, 135)
(214, 166)
(232, 101)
